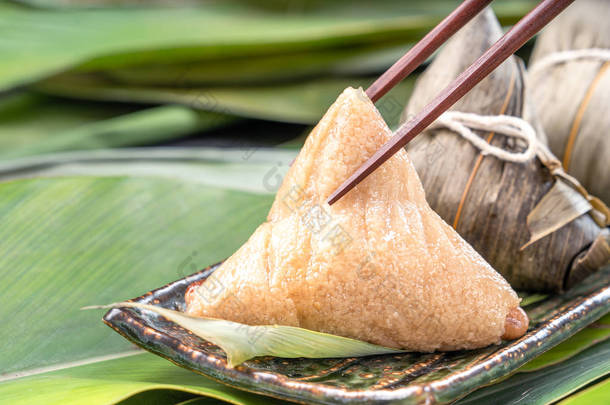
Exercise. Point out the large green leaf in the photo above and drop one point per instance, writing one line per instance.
(110, 381)
(194, 401)
(549, 384)
(32, 124)
(251, 169)
(302, 102)
(38, 43)
(597, 394)
(263, 69)
(27, 118)
(164, 397)
(116, 232)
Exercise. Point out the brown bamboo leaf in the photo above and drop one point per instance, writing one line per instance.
(559, 206)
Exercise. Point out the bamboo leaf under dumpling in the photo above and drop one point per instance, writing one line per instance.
(242, 342)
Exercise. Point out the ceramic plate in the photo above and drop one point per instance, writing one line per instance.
(407, 378)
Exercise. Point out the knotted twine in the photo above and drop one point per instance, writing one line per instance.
(463, 123)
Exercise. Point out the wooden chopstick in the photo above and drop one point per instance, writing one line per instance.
(425, 47)
(526, 28)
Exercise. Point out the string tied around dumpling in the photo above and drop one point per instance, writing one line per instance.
(463, 123)
(591, 54)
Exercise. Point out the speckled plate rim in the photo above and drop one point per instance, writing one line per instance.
(573, 317)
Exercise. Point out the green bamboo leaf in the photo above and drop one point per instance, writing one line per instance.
(528, 298)
(61, 4)
(249, 169)
(194, 401)
(597, 394)
(89, 226)
(38, 43)
(595, 333)
(242, 342)
(32, 124)
(27, 118)
(264, 69)
(303, 102)
(71, 236)
(118, 380)
(162, 397)
(550, 384)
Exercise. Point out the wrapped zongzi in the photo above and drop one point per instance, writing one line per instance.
(569, 84)
(500, 203)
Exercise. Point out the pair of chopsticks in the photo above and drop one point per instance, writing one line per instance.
(526, 28)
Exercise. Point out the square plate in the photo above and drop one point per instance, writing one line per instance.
(409, 378)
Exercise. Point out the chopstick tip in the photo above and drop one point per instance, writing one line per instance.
(341, 191)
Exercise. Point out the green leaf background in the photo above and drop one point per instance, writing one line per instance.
(38, 43)
(82, 223)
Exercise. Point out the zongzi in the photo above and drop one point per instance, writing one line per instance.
(378, 266)
(489, 199)
(569, 83)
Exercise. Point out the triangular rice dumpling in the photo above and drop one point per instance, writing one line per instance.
(379, 265)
